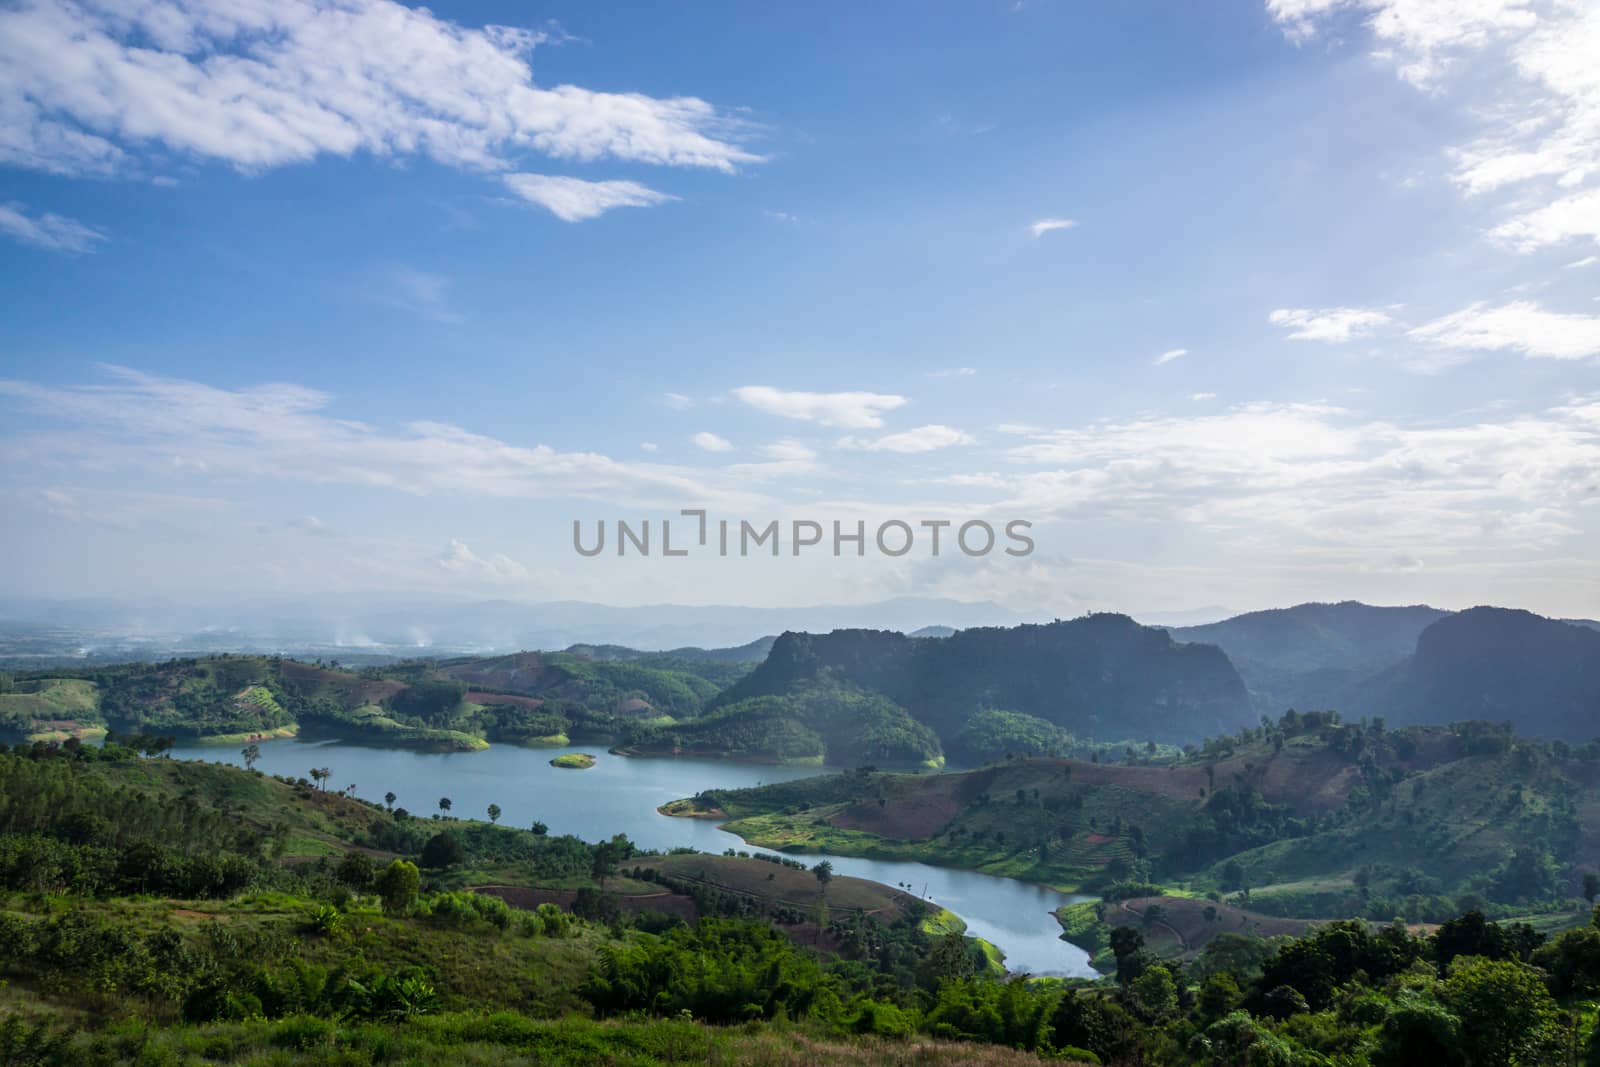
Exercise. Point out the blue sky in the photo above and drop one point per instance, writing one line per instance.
(1239, 303)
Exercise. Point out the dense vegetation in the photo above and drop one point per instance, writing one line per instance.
(167, 912)
(1306, 816)
(1101, 676)
(461, 704)
(819, 722)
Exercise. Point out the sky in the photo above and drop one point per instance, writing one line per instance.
(1239, 304)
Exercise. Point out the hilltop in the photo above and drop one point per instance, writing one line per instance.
(1542, 675)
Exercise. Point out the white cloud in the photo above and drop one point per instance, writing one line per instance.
(849, 411)
(575, 200)
(954, 372)
(1314, 476)
(1171, 354)
(100, 88)
(711, 442)
(1586, 261)
(1528, 71)
(677, 401)
(459, 559)
(420, 291)
(649, 446)
(1522, 326)
(921, 439)
(788, 449)
(281, 432)
(53, 232)
(1553, 224)
(1202, 396)
(1044, 226)
(1333, 325)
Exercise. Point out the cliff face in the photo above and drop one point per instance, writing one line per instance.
(1102, 676)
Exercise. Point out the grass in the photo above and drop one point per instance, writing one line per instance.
(475, 1039)
(578, 761)
(277, 733)
(53, 709)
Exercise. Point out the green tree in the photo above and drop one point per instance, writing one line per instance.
(444, 804)
(398, 885)
(389, 799)
(251, 753)
(1156, 993)
(494, 813)
(1507, 1015)
(356, 870)
(442, 850)
(1591, 886)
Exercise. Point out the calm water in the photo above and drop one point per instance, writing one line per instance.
(620, 795)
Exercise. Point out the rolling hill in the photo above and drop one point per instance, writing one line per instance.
(1099, 676)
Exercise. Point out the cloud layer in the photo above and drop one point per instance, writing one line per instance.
(102, 88)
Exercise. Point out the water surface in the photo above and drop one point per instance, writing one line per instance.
(620, 795)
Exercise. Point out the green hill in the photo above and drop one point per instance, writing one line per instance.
(1306, 817)
(456, 704)
(1101, 676)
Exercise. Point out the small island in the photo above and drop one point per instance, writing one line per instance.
(578, 761)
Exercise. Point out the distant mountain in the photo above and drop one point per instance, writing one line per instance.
(422, 625)
(1348, 635)
(1542, 675)
(754, 652)
(933, 631)
(1101, 676)
(1310, 655)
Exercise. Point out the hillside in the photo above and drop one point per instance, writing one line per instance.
(1540, 674)
(1311, 655)
(1308, 817)
(161, 911)
(541, 698)
(1101, 676)
(1348, 635)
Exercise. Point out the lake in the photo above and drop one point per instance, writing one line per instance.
(621, 794)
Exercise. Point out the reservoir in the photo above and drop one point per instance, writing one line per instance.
(621, 794)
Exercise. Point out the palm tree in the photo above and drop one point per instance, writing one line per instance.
(444, 803)
(494, 813)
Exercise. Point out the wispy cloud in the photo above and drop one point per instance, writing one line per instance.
(265, 83)
(1522, 326)
(953, 372)
(677, 401)
(1044, 226)
(1320, 477)
(1171, 354)
(711, 442)
(55, 233)
(1528, 68)
(849, 411)
(283, 432)
(921, 439)
(1332, 325)
(576, 200)
(423, 292)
